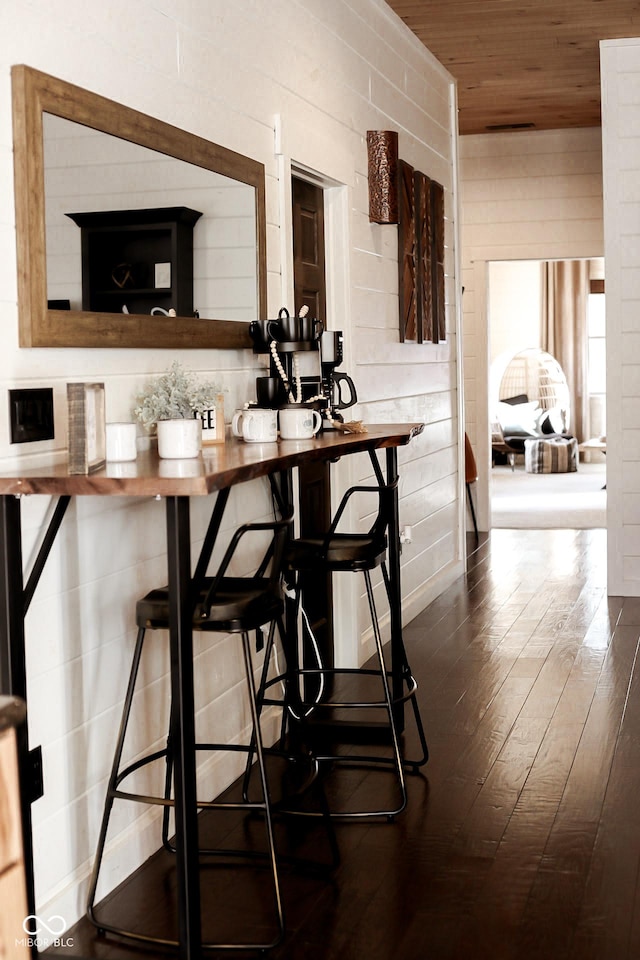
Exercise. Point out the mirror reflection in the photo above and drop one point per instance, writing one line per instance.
(101, 159)
(88, 171)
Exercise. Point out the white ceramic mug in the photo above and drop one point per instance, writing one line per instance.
(298, 423)
(121, 441)
(256, 425)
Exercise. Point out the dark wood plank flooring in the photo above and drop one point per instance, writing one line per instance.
(521, 839)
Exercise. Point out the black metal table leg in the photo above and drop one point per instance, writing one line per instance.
(13, 678)
(397, 659)
(183, 727)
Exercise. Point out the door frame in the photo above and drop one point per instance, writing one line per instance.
(346, 628)
(482, 290)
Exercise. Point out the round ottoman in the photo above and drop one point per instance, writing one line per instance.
(551, 455)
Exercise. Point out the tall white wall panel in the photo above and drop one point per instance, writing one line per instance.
(620, 71)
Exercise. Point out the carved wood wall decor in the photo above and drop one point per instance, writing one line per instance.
(399, 194)
(437, 262)
(423, 227)
(407, 254)
(382, 156)
(420, 256)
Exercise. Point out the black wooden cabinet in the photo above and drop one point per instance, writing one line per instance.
(138, 259)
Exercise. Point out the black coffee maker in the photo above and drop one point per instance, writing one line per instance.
(287, 339)
(333, 382)
(293, 342)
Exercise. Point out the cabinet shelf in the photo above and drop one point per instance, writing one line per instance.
(134, 292)
(121, 250)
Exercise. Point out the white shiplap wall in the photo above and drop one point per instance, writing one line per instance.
(524, 196)
(322, 73)
(620, 71)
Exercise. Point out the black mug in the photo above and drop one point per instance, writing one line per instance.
(309, 328)
(259, 333)
(286, 328)
(270, 392)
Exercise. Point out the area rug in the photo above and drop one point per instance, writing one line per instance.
(526, 501)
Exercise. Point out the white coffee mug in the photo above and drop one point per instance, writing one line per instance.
(256, 425)
(121, 441)
(298, 423)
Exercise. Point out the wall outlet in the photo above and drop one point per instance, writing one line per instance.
(31, 415)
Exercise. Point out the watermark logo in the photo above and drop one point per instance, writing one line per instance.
(43, 932)
(34, 925)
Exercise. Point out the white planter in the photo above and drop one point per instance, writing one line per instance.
(179, 439)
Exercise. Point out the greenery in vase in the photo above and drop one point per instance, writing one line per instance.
(176, 394)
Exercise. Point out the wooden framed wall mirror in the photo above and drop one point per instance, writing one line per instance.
(76, 152)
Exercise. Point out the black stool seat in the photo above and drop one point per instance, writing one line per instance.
(238, 604)
(341, 551)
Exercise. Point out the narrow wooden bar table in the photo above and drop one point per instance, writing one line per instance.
(219, 468)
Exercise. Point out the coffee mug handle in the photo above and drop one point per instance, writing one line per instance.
(317, 421)
(273, 329)
(236, 426)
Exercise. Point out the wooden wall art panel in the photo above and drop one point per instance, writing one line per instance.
(420, 257)
(407, 284)
(437, 245)
(424, 286)
(382, 156)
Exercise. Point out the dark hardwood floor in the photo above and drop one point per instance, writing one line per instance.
(521, 839)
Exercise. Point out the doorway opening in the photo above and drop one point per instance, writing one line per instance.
(547, 393)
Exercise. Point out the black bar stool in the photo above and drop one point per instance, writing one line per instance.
(230, 605)
(315, 693)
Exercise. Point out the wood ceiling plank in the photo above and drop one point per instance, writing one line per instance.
(531, 61)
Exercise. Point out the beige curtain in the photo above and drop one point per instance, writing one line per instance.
(565, 286)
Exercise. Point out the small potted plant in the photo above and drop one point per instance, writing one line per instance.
(174, 402)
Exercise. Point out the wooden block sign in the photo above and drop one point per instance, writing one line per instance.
(86, 410)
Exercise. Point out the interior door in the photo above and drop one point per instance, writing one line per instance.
(308, 248)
